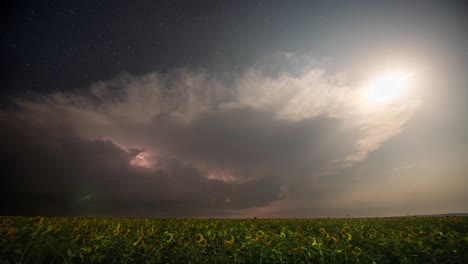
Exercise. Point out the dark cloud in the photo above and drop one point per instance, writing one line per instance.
(250, 143)
(48, 169)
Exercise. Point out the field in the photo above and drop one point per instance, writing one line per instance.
(346, 240)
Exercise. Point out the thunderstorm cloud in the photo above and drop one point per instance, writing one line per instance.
(193, 143)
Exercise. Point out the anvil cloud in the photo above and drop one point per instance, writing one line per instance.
(189, 143)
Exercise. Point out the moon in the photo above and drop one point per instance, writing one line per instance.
(387, 88)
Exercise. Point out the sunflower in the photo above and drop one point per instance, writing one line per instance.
(117, 230)
(282, 235)
(345, 229)
(200, 238)
(314, 242)
(348, 236)
(230, 241)
(438, 235)
(401, 234)
(356, 251)
(241, 247)
(170, 235)
(202, 242)
(259, 235)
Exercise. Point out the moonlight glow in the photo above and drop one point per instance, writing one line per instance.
(387, 88)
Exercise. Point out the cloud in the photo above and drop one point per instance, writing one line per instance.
(191, 141)
(49, 169)
(405, 167)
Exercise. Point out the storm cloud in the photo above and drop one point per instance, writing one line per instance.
(189, 143)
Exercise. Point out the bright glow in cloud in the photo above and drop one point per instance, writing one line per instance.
(141, 160)
(387, 88)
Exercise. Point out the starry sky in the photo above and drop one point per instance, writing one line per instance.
(231, 108)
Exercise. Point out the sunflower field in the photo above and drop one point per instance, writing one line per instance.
(133, 240)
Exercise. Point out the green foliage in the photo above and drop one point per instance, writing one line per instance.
(377, 240)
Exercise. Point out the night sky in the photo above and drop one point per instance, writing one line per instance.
(233, 108)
